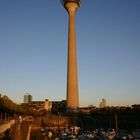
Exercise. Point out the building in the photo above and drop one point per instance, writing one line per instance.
(41, 105)
(37, 105)
(102, 103)
(87, 110)
(48, 105)
(54, 106)
(58, 107)
(27, 98)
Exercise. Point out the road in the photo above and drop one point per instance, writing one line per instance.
(19, 131)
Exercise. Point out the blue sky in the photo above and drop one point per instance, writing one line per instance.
(33, 50)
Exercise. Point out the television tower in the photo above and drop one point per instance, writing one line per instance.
(72, 74)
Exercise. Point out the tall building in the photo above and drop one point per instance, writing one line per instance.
(102, 103)
(72, 73)
(27, 98)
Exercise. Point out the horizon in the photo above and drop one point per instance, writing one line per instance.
(33, 50)
(88, 105)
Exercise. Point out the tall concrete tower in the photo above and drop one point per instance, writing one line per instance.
(72, 73)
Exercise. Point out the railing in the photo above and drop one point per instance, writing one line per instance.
(5, 117)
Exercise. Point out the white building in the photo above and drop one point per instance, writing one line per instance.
(102, 103)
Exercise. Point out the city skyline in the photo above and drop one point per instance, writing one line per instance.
(33, 50)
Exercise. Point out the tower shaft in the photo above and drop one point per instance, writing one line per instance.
(72, 74)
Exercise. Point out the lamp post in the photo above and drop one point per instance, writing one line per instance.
(72, 74)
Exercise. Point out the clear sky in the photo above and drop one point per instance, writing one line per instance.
(33, 50)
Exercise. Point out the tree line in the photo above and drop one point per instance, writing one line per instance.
(127, 118)
(10, 107)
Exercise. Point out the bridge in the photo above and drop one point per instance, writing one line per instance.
(27, 129)
(5, 125)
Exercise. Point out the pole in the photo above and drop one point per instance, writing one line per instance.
(116, 124)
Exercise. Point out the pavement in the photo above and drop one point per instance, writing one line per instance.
(19, 131)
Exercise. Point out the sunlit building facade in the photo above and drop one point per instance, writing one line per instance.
(103, 103)
(27, 98)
